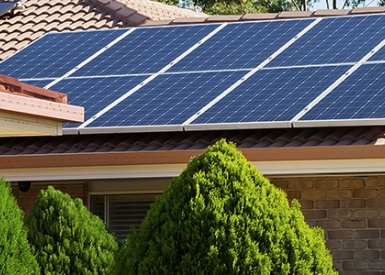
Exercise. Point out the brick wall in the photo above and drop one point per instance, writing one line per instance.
(26, 200)
(351, 210)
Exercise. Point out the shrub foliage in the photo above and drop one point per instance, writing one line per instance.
(15, 252)
(66, 238)
(220, 216)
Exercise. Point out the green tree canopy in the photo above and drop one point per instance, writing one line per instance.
(220, 216)
(66, 238)
(15, 252)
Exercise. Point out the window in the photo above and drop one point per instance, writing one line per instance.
(121, 212)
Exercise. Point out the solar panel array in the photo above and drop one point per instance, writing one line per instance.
(279, 73)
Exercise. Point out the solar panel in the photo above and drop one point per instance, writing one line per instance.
(359, 97)
(167, 100)
(214, 76)
(241, 45)
(146, 50)
(379, 56)
(270, 96)
(6, 7)
(56, 53)
(95, 93)
(335, 40)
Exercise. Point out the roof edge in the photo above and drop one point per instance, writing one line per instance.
(183, 156)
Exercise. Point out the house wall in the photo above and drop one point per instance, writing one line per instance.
(351, 210)
(26, 200)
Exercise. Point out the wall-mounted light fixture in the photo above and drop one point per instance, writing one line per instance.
(24, 185)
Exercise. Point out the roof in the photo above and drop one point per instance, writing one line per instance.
(22, 26)
(264, 16)
(56, 15)
(28, 110)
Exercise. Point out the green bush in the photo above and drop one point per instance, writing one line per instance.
(15, 252)
(66, 238)
(220, 216)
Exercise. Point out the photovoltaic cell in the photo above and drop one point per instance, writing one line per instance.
(146, 50)
(335, 40)
(57, 53)
(169, 99)
(241, 45)
(360, 96)
(95, 93)
(379, 56)
(272, 95)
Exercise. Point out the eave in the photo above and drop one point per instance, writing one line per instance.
(270, 161)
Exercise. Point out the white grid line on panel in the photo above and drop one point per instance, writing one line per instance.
(153, 76)
(338, 82)
(252, 72)
(90, 58)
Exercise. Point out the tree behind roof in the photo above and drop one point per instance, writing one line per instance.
(66, 238)
(15, 252)
(220, 216)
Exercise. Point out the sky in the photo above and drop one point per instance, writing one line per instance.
(322, 4)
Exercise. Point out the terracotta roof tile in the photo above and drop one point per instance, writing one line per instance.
(295, 14)
(224, 18)
(259, 16)
(367, 10)
(331, 12)
(42, 16)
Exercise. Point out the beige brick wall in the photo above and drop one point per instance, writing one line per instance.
(26, 200)
(351, 210)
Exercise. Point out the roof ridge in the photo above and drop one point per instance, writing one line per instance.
(268, 16)
(135, 12)
(14, 86)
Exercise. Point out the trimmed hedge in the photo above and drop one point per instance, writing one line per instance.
(15, 252)
(66, 238)
(220, 216)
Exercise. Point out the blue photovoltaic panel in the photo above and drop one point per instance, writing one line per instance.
(146, 50)
(6, 6)
(241, 45)
(360, 96)
(95, 93)
(272, 95)
(55, 54)
(169, 99)
(379, 56)
(335, 40)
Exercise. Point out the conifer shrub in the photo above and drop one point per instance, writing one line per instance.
(15, 253)
(66, 238)
(220, 216)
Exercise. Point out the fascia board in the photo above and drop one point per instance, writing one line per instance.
(41, 108)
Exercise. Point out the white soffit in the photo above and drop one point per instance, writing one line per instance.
(267, 168)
